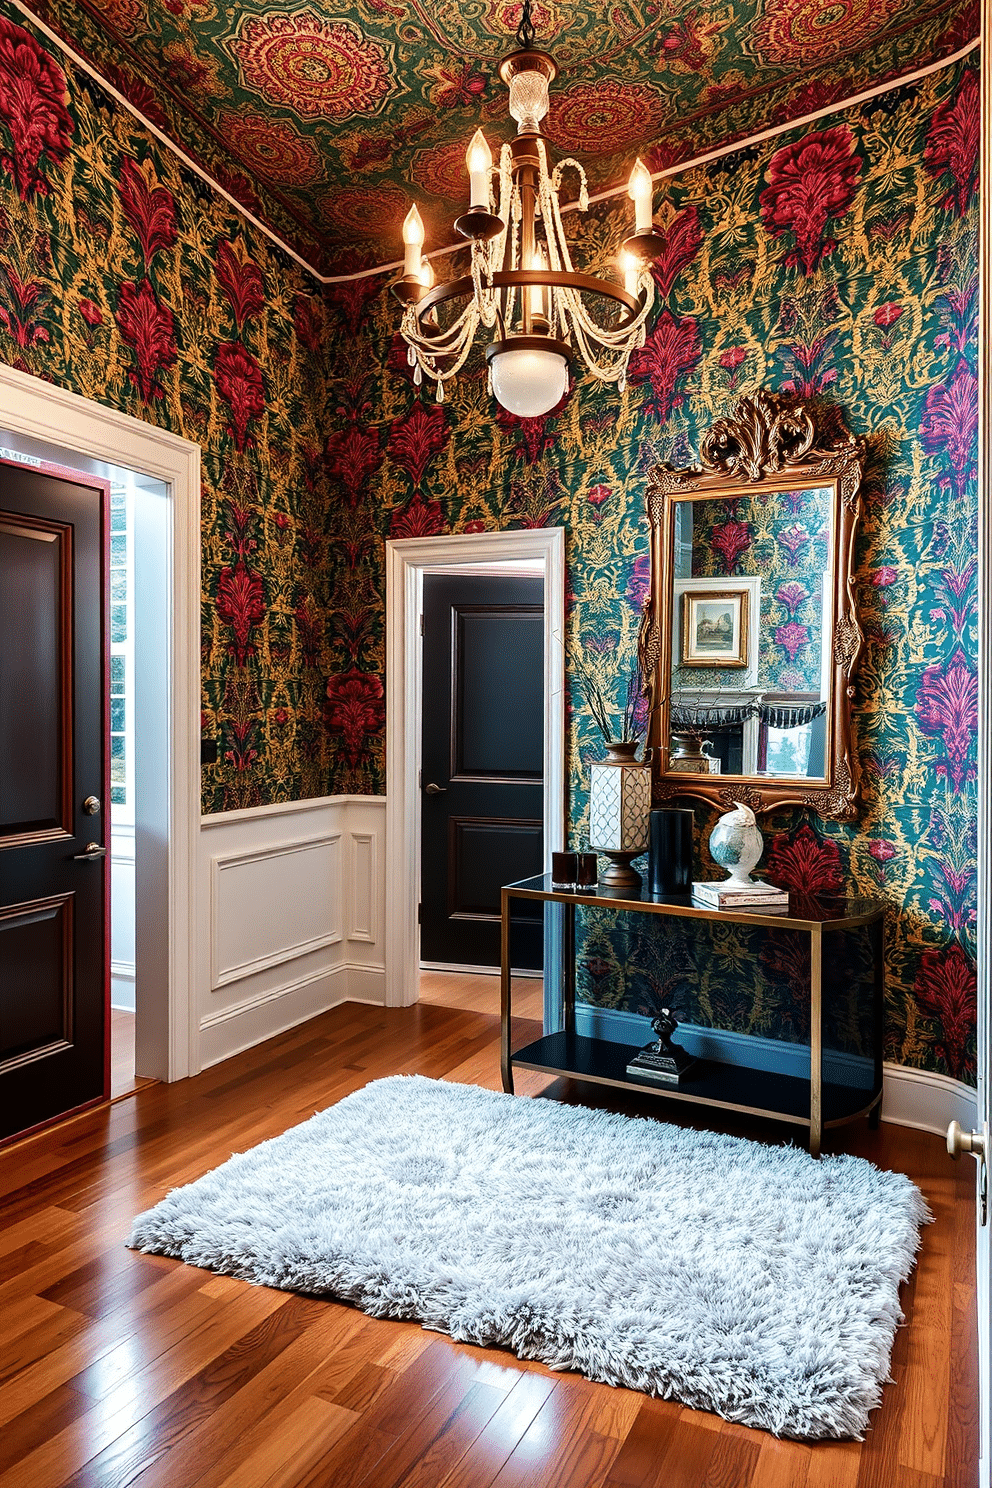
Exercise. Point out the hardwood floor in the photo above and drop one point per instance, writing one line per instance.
(475, 992)
(120, 1369)
(123, 1080)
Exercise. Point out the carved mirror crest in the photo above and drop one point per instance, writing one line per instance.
(750, 639)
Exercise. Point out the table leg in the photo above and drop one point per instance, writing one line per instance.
(815, 1042)
(877, 941)
(506, 1068)
(568, 968)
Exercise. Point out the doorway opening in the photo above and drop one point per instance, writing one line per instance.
(532, 554)
(158, 474)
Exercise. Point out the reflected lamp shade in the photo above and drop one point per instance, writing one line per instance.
(619, 806)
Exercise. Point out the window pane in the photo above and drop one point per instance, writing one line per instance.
(117, 708)
(118, 795)
(118, 550)
(118, 585)
(118, 624)
(117, 674)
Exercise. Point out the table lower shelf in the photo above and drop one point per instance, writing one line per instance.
(733, 1087)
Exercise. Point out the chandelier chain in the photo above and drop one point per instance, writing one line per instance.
(525, 31)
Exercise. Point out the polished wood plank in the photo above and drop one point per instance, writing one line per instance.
(480, 994)
(123, 1369)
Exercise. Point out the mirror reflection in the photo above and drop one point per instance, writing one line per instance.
(752, 625)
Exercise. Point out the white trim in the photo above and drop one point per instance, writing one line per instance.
(925, 1101)
(122, 971)
(493, 971)
(407, 560)
(367, 932)
(282, 808)
(41, 410)
(673, 170)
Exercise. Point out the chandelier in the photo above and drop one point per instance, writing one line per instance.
(522, 286)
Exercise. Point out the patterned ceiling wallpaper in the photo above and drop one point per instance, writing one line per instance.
(324, 120)
(839, 262)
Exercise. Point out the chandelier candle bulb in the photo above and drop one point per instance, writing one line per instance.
(413, 238)
(479, 160)
(640, 191)
(631, 272)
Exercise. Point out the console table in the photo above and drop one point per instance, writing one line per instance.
(813, 1102)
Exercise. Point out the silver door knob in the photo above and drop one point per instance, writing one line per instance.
(91, 852)
(435, 790)
(91, 805)
(959, 1141)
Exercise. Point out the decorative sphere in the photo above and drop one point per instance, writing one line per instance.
(528, 381)
(737, 844)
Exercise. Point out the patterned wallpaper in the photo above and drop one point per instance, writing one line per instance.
(836, 261)
(839, 261)
(125, 278)
(784, 540)
(324, 119)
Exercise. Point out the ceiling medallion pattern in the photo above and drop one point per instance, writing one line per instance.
(315, 69)
(812, 31)
(274, 149)
(372, 85)
(603, 117)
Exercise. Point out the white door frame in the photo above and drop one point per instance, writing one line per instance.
(407, 560)
(167, 819)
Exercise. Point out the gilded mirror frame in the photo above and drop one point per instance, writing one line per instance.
(769, 441)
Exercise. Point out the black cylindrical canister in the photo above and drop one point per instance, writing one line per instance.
(670, 860)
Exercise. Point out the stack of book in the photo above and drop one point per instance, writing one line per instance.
(760, 898)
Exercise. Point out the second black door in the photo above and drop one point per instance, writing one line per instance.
(482, 785)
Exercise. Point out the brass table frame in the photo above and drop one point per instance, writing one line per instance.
(855, 912)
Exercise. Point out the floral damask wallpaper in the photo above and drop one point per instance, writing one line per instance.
(785, 540)
(839, 262)
(124, 277)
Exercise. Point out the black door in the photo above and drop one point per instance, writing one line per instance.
(482, 787)
(54, 988)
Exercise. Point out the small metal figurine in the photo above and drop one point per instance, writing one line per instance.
(663, 1062)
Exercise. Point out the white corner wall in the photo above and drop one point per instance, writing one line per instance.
(291, 917)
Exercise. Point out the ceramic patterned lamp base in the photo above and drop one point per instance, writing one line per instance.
(619, 812)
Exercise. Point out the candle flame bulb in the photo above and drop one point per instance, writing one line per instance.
(631, 268)
(413, 237)
(640, 190)
(479, 159)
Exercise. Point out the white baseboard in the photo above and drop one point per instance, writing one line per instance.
(925, 1101)
(240, 1025)
(366, 983)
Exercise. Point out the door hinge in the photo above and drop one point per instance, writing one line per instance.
(421, 625)
(420, 779)
(420, 914)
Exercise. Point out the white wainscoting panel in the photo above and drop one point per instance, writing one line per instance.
(271, 904)
(292, 923)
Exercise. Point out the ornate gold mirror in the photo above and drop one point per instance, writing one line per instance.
(750, 638)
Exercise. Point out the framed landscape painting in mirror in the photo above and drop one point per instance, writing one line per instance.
(750, 638)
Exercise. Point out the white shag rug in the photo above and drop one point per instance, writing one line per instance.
(748, 1280)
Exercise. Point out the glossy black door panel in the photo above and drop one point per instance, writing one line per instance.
(53, 703)
(483, 763)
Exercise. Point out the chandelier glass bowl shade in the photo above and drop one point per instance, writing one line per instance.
(522, 286)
